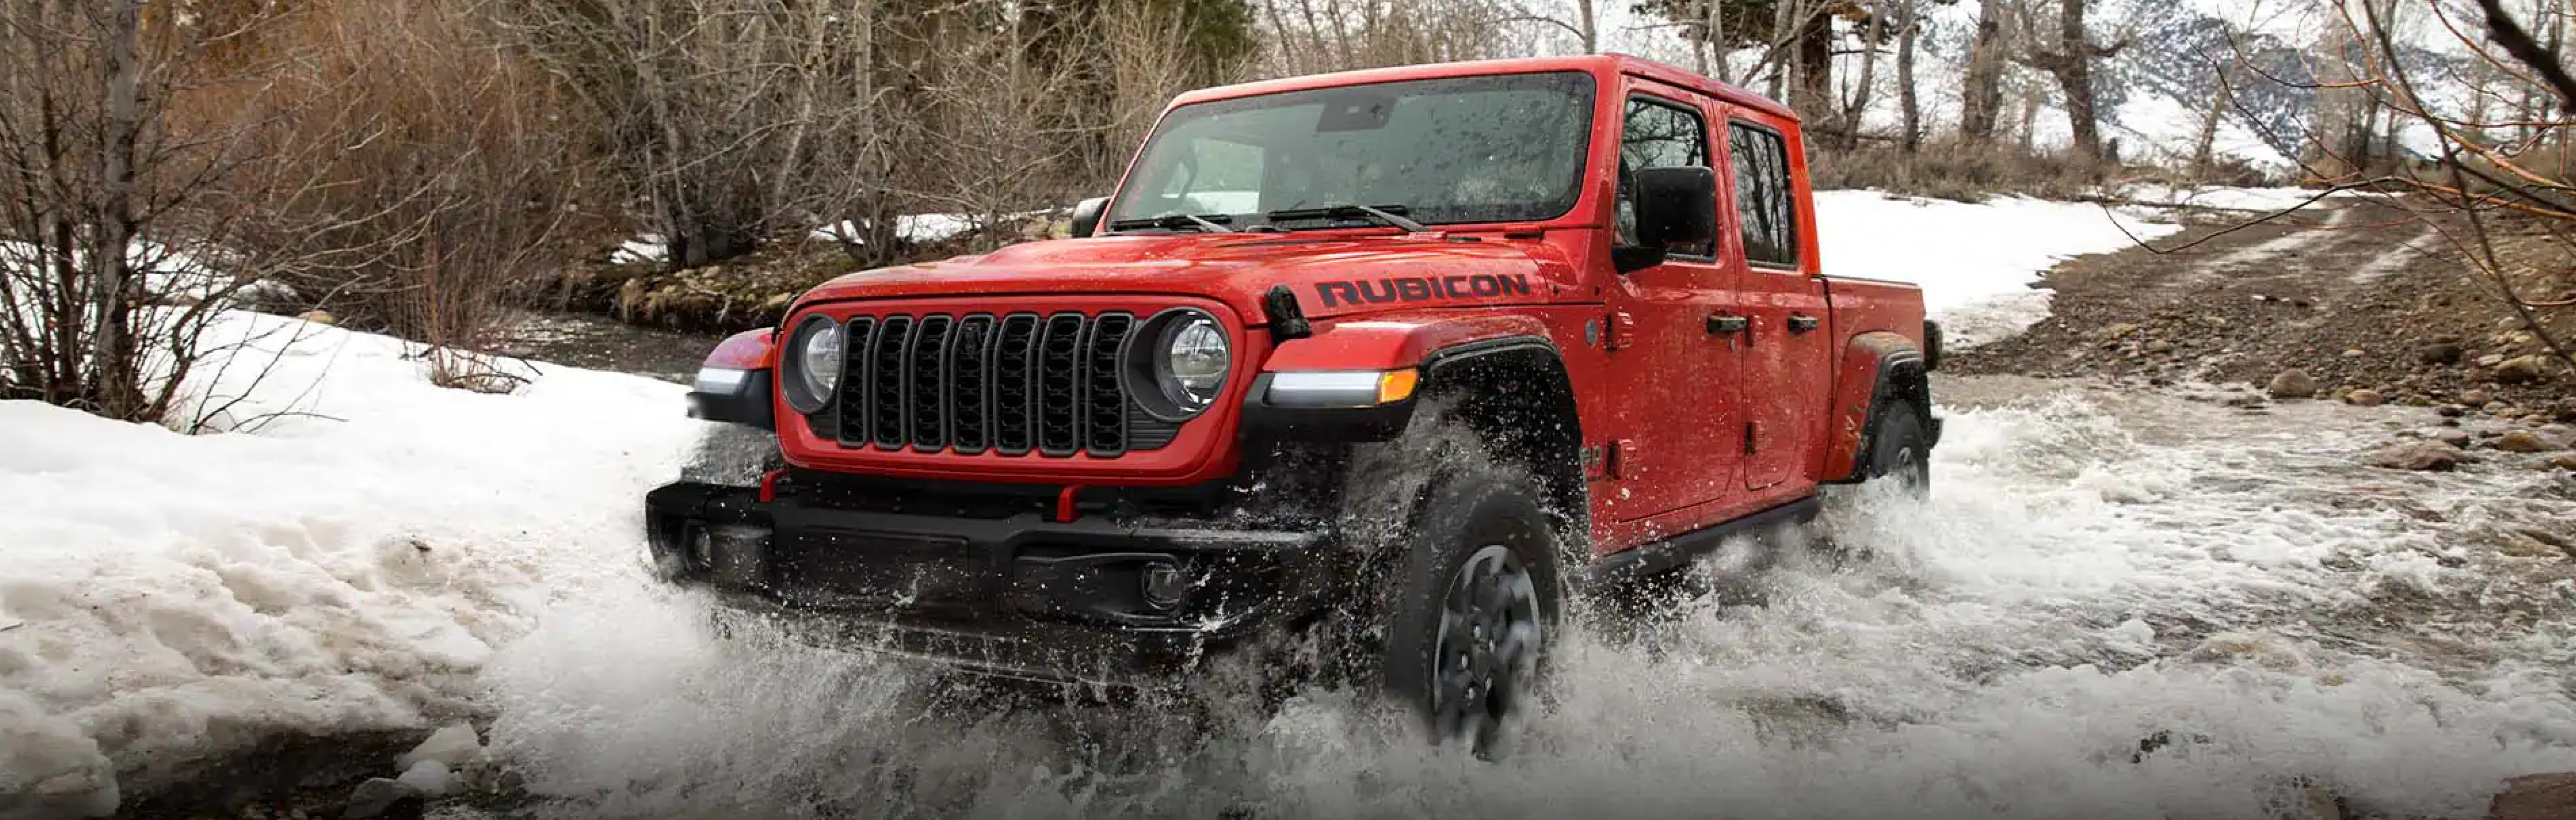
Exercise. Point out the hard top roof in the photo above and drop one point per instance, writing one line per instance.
(1598, 64)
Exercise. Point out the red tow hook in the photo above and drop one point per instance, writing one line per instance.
(1064, 504)
(769, 486)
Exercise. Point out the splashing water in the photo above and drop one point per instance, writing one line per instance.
(2115, 605)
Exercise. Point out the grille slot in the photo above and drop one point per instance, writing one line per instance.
(1059, 379)
(886, 382)
(1104, 406)
(1012, 384)
(970, 374)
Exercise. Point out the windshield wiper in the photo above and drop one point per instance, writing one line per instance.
(1392, 215)
(1211, 223)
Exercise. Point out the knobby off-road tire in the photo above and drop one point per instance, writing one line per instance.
(1474, 612)
(1901, 453)
(1417, 518)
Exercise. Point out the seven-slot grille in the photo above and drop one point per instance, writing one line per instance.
(1012, 384)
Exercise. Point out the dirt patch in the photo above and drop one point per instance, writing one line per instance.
(2361, 301)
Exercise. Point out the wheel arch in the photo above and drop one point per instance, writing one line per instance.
(1516, 394)
(1877, 368)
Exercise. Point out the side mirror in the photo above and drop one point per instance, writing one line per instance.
(1086, 216)
(1675, 207)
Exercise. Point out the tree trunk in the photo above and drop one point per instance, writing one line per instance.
(1815, 89)
(1591, 26)
(2204, 150)
(1906, 96)
(112, 364)
(1858, 107)
(2075, 79)
(1982, 92)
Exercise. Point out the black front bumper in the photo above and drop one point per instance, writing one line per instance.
(1012, 593)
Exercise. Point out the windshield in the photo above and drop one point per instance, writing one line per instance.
(1504, 148)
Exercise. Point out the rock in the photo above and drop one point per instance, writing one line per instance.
(2451, 436)
(382, 799)
(2117, 330)
(2535, 797)
(2517, 545)
(2451, 411)
(2523, 441)
(2439, 353)
(319, 317)
(2564, 461)
(2311, 800)
(2160, 346)
(2542, 536)
(2491, 360)
(2520, 370)
(2292, 384)
(430, 777)
(2497, 408)
(2365, 397)
(2263, 650)
(2418, 455)
(2476, 398)
(2354, 353)
(452, 746)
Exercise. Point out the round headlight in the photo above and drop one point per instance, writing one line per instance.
(1195, 358)
(817, 363)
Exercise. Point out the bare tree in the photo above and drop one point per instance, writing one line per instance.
(1313, 36)
(136, 153)
(1909, 30)
(732, 119)
(1982, 90)
(2069, 58)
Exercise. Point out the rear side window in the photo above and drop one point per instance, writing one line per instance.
(1763, 205)
(1657, 134)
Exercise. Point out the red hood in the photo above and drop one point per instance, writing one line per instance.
(1332, 274)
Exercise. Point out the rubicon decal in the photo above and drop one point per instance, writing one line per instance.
(1421, 288)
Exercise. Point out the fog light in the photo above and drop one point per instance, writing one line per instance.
(1163, 586)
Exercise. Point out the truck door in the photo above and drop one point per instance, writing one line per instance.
(1676, 416)
(1786, 337)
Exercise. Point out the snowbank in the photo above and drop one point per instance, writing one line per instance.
(164, 597)
(1977, 263)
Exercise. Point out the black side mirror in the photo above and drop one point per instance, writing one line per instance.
(1675, 207)
(1086, 216)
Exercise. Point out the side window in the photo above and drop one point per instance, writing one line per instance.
(1657, 134)
(1764, 205)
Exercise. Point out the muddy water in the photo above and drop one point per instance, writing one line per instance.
(2115, 605)
(599, 343)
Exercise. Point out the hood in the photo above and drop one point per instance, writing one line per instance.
(1332, 274)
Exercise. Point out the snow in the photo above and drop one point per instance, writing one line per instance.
(348, 566)
(1976, 262)
(645, 249)
(2254, 200)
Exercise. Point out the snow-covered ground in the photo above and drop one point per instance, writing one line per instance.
(352, 565)
(2095, 569)
(1976, 262)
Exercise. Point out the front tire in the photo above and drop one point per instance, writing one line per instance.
(1475, 613)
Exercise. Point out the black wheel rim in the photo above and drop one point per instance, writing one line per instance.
(1487, 655)
(1913, 473)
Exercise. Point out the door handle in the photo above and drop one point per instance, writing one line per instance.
(1722, 325)
(1802, 324)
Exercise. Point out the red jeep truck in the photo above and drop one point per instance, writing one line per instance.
(1397, 359)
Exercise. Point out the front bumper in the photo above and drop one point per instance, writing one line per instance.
(1100, 599)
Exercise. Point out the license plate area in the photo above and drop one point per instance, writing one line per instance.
(857, 568)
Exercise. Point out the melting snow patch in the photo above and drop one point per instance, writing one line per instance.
(1978, 264)
(349, 566)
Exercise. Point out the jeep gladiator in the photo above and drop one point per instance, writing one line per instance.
(1401, 358)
